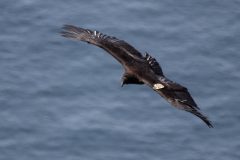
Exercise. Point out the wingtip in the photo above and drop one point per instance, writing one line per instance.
(205, 119)
(66, 34)
(65, 31)
(71, 31)
(68, 26)
(209, 124)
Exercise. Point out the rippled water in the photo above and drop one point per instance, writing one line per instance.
(62, 99)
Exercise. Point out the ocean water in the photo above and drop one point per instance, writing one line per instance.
(62, 99)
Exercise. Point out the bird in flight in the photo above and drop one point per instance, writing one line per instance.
(139, 69)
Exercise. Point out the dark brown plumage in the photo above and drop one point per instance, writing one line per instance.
(139, 69)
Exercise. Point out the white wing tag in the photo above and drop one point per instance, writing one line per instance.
(158, 86)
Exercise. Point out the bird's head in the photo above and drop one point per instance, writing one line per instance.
(130, 79)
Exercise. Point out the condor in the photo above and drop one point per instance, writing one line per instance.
(139, 69)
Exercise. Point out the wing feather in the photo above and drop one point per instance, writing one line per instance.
(154, 64)
(180, 98)
(119, 49)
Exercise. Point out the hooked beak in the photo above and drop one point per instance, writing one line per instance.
(122, 84)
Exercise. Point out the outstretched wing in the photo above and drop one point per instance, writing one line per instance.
(179, 97)
(119, 49)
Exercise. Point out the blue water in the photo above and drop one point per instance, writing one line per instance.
(61, 99)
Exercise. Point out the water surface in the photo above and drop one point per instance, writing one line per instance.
(62, 99)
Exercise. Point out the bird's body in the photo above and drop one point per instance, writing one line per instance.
(139, 69)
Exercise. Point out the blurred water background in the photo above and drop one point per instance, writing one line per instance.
(61, 99)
